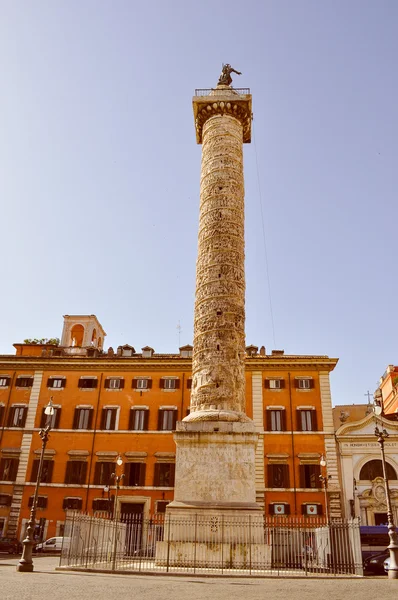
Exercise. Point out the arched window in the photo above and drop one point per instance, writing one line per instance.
(77, 335)
(374, 468)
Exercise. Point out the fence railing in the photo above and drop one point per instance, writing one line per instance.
(207, 91)
(212, 545)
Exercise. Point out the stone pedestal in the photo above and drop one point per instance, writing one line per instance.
(214, 520)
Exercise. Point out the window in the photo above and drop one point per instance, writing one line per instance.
(279, 509)
(5, 500)
(167, 383)
(311, 509)
(53, 419)
(374, 468)
(103, 472)
(108, 418)
(17, 416)
(304, 384)
(139, 419)
(103, 505)
(142, 383)
(72, 504)
(274, 384)
(8, 469)
(278, 476)
(88, 383)
(114, 383)
(161, 506)
(276, 420)
(56, 383)
(41, 502)
(189, 383)
(164, 475)
(83, 418)
(76, 472)
(167, 419)
(47, 471)
(134, 474)
(309, 476)
(24, 382)
(4, 381)
(306, 420)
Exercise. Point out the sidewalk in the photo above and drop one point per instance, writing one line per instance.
(47, 583)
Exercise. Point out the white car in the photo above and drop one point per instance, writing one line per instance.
(53, 544)
(387, 564)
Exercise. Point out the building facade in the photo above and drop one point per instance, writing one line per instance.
(127, 403)
(389, 388)
(360, 463)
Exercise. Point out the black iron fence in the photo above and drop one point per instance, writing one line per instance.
(216, 545)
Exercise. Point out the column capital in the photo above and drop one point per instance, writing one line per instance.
(223, 100)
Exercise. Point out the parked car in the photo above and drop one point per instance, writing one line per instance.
(10, 545)
(375, 564)
(387, 564)
(53, 544)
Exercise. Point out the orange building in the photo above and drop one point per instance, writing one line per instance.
(389, 388)
(127, 403)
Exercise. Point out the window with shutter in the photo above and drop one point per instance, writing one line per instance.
(138, 419)
(24, 382)
(8, 469)
(189, 383)
(5, 499)
(17, 416)
(103, 472)
(47, 471)
(103, 505)
(83, 418)
(309, 476)
(76, 472)
(278, 476)
(170, 384)
(87, 383)
(164, 475)
(135, 474)
(108, 419)
(276, 420)
(52, 420)
(305, 420)
(72, 503)
(56, 383)
(114, 383)
(41, 502)
(4, 382)
(167, 419)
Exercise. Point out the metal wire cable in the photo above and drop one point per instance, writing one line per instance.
(265, 242)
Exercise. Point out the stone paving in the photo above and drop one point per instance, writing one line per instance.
(46, 582)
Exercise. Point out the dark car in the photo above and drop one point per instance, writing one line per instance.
(10, 545)
(375, 564)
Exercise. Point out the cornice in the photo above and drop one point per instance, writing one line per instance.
(223, 102)
(347, 428)
(162, 362)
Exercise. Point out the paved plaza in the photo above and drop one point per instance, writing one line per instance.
(46, 582)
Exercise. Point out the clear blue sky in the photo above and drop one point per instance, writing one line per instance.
(99, 171)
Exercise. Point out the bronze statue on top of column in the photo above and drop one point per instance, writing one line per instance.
(225, 77)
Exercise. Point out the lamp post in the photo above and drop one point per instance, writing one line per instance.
(26, 563)
(382, 435)
(118, 479)
(325, 478)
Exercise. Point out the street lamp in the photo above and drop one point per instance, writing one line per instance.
(26, 563)
(382, 435)
(325, 478)
(117, 478)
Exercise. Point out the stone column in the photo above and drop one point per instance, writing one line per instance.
(223, 123)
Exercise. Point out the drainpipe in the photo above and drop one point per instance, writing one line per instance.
(293, 448)
(92, 445)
